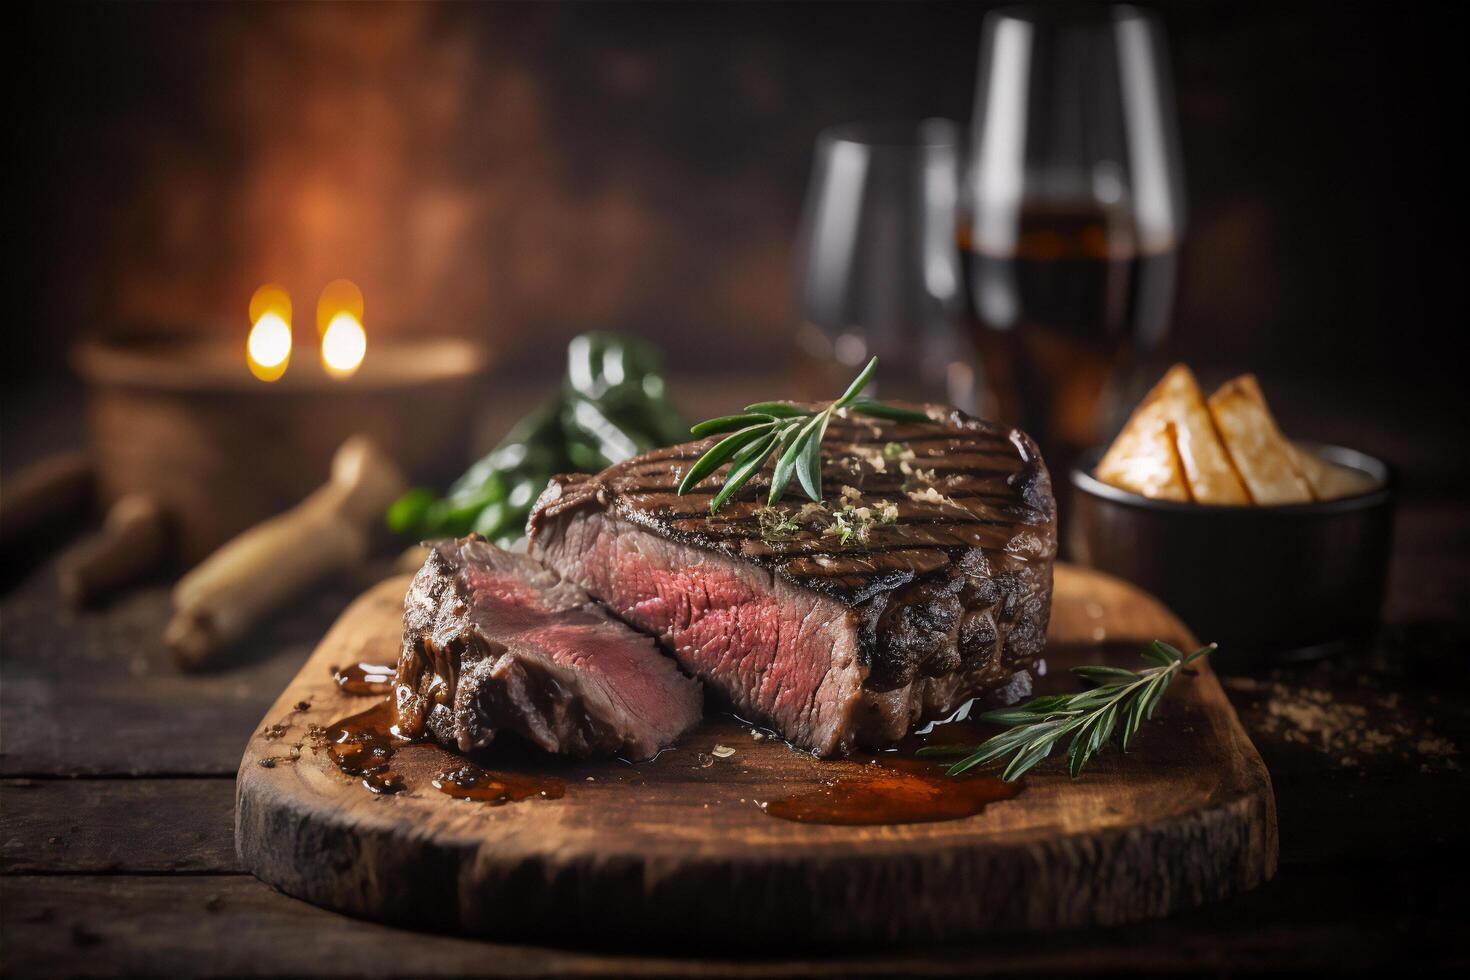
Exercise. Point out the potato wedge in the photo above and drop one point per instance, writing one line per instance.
(1143, 458)
(1327, 480)
(1212, 479)
(1264, 459)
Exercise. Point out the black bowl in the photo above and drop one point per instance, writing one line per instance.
(1274, 583)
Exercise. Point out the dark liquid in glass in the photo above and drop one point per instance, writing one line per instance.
(1057, 312)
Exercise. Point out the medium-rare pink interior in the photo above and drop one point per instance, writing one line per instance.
(778, 653)
(495, 642)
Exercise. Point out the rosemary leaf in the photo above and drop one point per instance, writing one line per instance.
(720, 452)
(1106, 727)
(1134, 719)
(761, 446)
(979, 758)
(1104, 675)
(786, 450)
(858, 383)
(1013, 716)
(1172, 652)
(809, 463)
(727, 423)
(1201, 652)
(866, 406)
(1034, 752)
(1158, 656)
(1043, 704)
(1085, 701)
(1159, 685)
(1077, 752)
(781, 410)
(786, 462)
(743, 471)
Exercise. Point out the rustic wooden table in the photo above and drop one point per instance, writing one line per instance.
(117, 792)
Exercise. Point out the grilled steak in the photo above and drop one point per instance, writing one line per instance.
(925, 579)
(497, 642)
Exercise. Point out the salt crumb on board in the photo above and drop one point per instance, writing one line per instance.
(1343, 730)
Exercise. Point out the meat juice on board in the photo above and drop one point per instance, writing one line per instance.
(364, 745)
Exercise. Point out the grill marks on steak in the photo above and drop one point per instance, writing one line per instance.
(833, 643)
(494, 642)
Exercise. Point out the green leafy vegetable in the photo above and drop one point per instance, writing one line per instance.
(611, 406)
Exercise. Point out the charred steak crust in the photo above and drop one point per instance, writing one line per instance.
(497, 642)
(947, 590)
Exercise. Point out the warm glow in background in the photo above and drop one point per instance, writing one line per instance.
(527, 171)
(268, 345)
(344, 344)
(268, 349)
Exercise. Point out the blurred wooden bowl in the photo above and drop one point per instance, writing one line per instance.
(184, 420)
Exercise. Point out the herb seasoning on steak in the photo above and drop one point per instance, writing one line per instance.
(497, 642)
(924, 579)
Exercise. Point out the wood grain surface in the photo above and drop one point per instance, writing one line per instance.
(682, 845)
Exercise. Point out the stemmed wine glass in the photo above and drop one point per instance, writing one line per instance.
(1072, 211)
(878, 271)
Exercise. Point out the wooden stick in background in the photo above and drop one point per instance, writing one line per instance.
(132, 542)
(43, 494)
(274, 561)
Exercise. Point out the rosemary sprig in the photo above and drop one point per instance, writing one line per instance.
(1091, 717)
(787, 431)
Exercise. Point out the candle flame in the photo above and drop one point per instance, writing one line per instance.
(268, 348)
(339, 323)
(344, 345)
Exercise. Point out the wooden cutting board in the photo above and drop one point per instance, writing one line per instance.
(681, 850)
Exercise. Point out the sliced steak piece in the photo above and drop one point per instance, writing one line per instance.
(494, 641)
(924, 580)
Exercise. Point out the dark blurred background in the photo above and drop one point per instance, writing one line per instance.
(527, 171)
